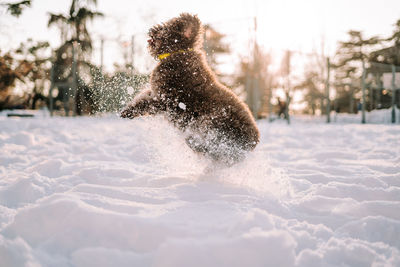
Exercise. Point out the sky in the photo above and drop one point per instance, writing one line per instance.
(281, 24)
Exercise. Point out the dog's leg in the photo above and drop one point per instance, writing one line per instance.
(142, 104)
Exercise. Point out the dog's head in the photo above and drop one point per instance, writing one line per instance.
(180, 33)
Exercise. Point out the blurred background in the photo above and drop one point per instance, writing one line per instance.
(83, 57)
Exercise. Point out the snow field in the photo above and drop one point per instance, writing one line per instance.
(102, 191)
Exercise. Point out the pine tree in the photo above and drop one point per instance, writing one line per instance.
(351, 55)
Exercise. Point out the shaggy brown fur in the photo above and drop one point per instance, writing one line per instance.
(217, 123)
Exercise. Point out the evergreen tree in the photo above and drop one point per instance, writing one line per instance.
(391, 53)
(351, 55)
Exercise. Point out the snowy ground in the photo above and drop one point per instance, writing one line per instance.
(111, 192)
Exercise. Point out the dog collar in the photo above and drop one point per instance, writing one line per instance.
(165, 55)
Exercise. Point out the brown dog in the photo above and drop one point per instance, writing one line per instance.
(217, 123)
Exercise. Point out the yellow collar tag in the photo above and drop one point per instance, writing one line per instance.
(165, 55)
(162, 56)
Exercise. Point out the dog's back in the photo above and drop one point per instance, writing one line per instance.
(198, 103)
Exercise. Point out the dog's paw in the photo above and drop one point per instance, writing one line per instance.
(127, 113)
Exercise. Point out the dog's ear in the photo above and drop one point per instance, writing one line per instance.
(188, 32)
(192, 25)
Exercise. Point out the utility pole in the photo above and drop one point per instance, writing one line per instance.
(256, 74)
(132, 53)
(287, 104)
(270, 107)
(256, 70)
(371, 98)
(51, 89)
(351, 106)
(287, 91)
(249, 90)
(379, 89)
(251, 79)
(363, 92)
(328, 100)
(51, 104)
(101, 54)
(74, 77)
(393, 94)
